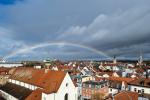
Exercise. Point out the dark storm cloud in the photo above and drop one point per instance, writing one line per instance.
(120, 30)
(117, 27)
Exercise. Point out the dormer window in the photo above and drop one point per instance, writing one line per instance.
(139, 91)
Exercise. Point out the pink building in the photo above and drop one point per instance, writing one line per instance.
(91, 87)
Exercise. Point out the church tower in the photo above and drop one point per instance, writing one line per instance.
(140, 61)
(114, 60)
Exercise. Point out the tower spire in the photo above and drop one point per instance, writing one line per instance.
(140, 58)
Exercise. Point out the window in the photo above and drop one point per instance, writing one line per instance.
(135, 89)
(110, 89)
(66, 96)
(123, 87)
(97, 86)
(66, 84)
(139, 91)
(86, 85)
(142, 90)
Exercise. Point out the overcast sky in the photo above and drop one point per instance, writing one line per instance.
(114, 27)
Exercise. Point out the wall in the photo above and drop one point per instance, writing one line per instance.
(70, 89)
(146, 90)
(113, 91)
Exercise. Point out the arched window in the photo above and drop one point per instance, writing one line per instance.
(66, 96)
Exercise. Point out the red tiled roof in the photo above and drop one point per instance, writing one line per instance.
(50, 80)
(108, 73)
(62, 67)
(121, 79)
(141, 82)
(99, 78)
(35, 95)
(126, 95)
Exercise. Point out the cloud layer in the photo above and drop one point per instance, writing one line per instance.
(116, 27)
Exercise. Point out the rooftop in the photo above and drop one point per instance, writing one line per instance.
(141, 82)
(121, 79)
(95, 82)
(49, 80)
(126, 95)
(16, 91)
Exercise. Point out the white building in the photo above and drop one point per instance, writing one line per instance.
(141, 86)
(10, 64)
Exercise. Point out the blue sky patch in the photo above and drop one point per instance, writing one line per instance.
(7, 2)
